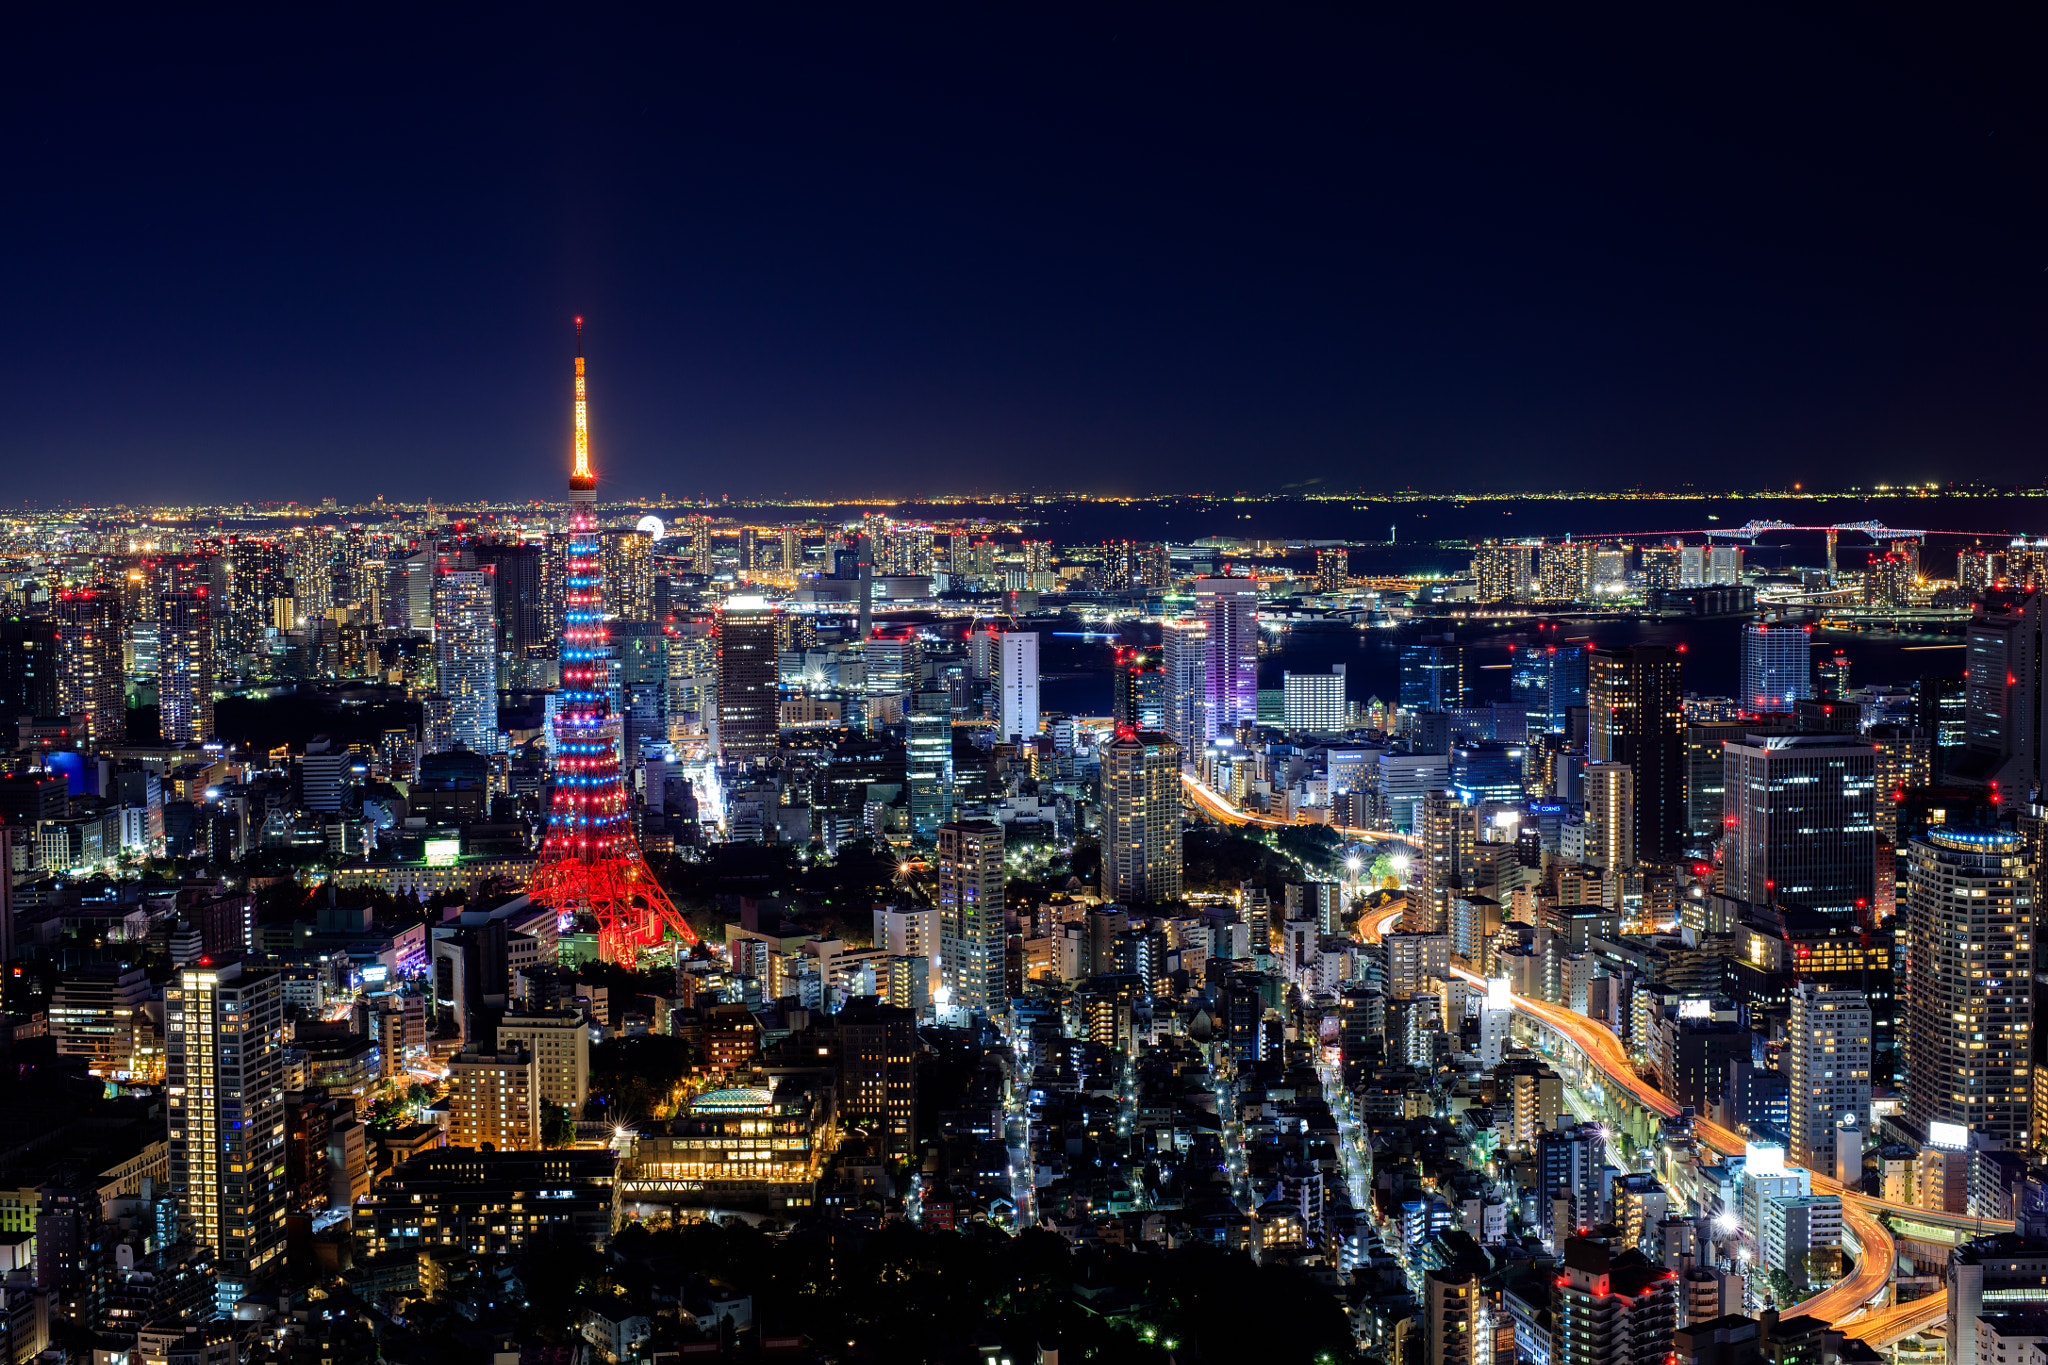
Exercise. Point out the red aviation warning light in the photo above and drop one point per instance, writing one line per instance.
(589, 861)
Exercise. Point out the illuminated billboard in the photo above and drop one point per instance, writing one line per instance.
(1763, 1159)
(1953, 1136)
(443, 852)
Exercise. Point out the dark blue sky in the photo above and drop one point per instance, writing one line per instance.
(857, 249)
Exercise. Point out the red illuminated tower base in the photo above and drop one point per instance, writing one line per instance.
(589, 864)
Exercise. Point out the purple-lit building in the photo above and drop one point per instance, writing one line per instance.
(1230, 608)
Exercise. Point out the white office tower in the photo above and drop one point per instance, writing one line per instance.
(1314, 701)
(1017, 707)
(1496, 1015)
(1185, 646)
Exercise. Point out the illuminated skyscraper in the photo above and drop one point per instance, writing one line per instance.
(1140, 700)
(224, 1051)
(1184, 654)
(1969, 982)
(1610, 815)
(90, 679)
(1503, 570)
(629, 574)
(1433, 674)
(1800, 822)
(185, 667)
(928, 761)
(749, 723)
(465, 711)
(1230, 608)
(1635, 712)
(971, 938)
(1333, 569)
(1566, 572)
(1141, 803)
(1777, 665)
(1829, 1043)
(589, 862)
(1315, 701)
(1017, 701)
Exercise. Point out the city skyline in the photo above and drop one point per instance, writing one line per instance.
(1539, 864)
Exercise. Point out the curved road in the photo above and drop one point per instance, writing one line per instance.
(1213, 804)
(1879, 1326)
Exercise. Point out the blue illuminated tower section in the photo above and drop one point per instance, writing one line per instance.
(589, 862)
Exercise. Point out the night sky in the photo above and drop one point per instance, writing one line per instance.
(857, 249)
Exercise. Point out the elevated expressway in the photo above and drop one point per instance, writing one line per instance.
(1217, 807)
(1876, 1250)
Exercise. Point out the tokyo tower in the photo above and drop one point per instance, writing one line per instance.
(589, 863)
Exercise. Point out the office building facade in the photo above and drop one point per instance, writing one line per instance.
(748, 720)
(1799, 817)
(1777, 666)
(1635, 714)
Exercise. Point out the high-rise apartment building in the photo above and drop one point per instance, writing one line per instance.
(1455, 1320)
(224, 1052)
(1504, 570)
(1777, 665)
(1566, 573)
(629, 574)
(1635, 714)
(1333, 569)
(1184, 653)
(1611, 1308)
(1968, 983)
(465, 662)
(1724, 565)
(748, 723)
(1610, 815)
(1141, 805)
(1230, 608)
(973, 954)
(1017, 694)
(1800, 823)
(91, 681)
(185, 667)
(494, 1100)
(1829, 1043)
(1315, 701)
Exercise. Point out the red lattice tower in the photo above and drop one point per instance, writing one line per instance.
(589, 863)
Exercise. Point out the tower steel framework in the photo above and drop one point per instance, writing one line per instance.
(589, 861)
